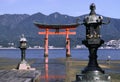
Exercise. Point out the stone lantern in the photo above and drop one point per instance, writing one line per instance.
(23, 65)
(93, 72)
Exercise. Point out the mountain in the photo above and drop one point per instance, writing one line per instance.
(13, 25)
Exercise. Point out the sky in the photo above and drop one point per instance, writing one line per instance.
(109, 8)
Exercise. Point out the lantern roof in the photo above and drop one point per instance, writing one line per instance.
(22, 38)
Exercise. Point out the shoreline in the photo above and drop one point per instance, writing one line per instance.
(62, 48)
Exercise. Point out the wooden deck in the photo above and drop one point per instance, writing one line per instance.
(19, 76)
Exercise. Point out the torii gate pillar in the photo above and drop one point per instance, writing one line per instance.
(46, 44)
(67, 43)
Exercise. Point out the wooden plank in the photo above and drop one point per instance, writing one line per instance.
(19, 76)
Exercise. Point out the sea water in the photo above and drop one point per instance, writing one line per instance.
(81, 54)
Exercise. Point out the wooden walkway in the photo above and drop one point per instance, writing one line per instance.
(19, 76)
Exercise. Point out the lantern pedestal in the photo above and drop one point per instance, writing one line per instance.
(93, 73)
(24, 66)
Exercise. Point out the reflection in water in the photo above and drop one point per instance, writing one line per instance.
(57, 70)
(67, 65)
(46, 69)
(54, 70)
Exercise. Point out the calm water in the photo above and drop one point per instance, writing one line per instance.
(53, 74)
(54, 53)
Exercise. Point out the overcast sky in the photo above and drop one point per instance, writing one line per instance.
(109, 8)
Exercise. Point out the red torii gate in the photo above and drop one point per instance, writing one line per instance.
(65, 27)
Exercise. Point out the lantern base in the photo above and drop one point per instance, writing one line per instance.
(24, 66)
(93, 76)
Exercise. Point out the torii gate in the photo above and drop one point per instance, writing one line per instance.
(65, 27)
